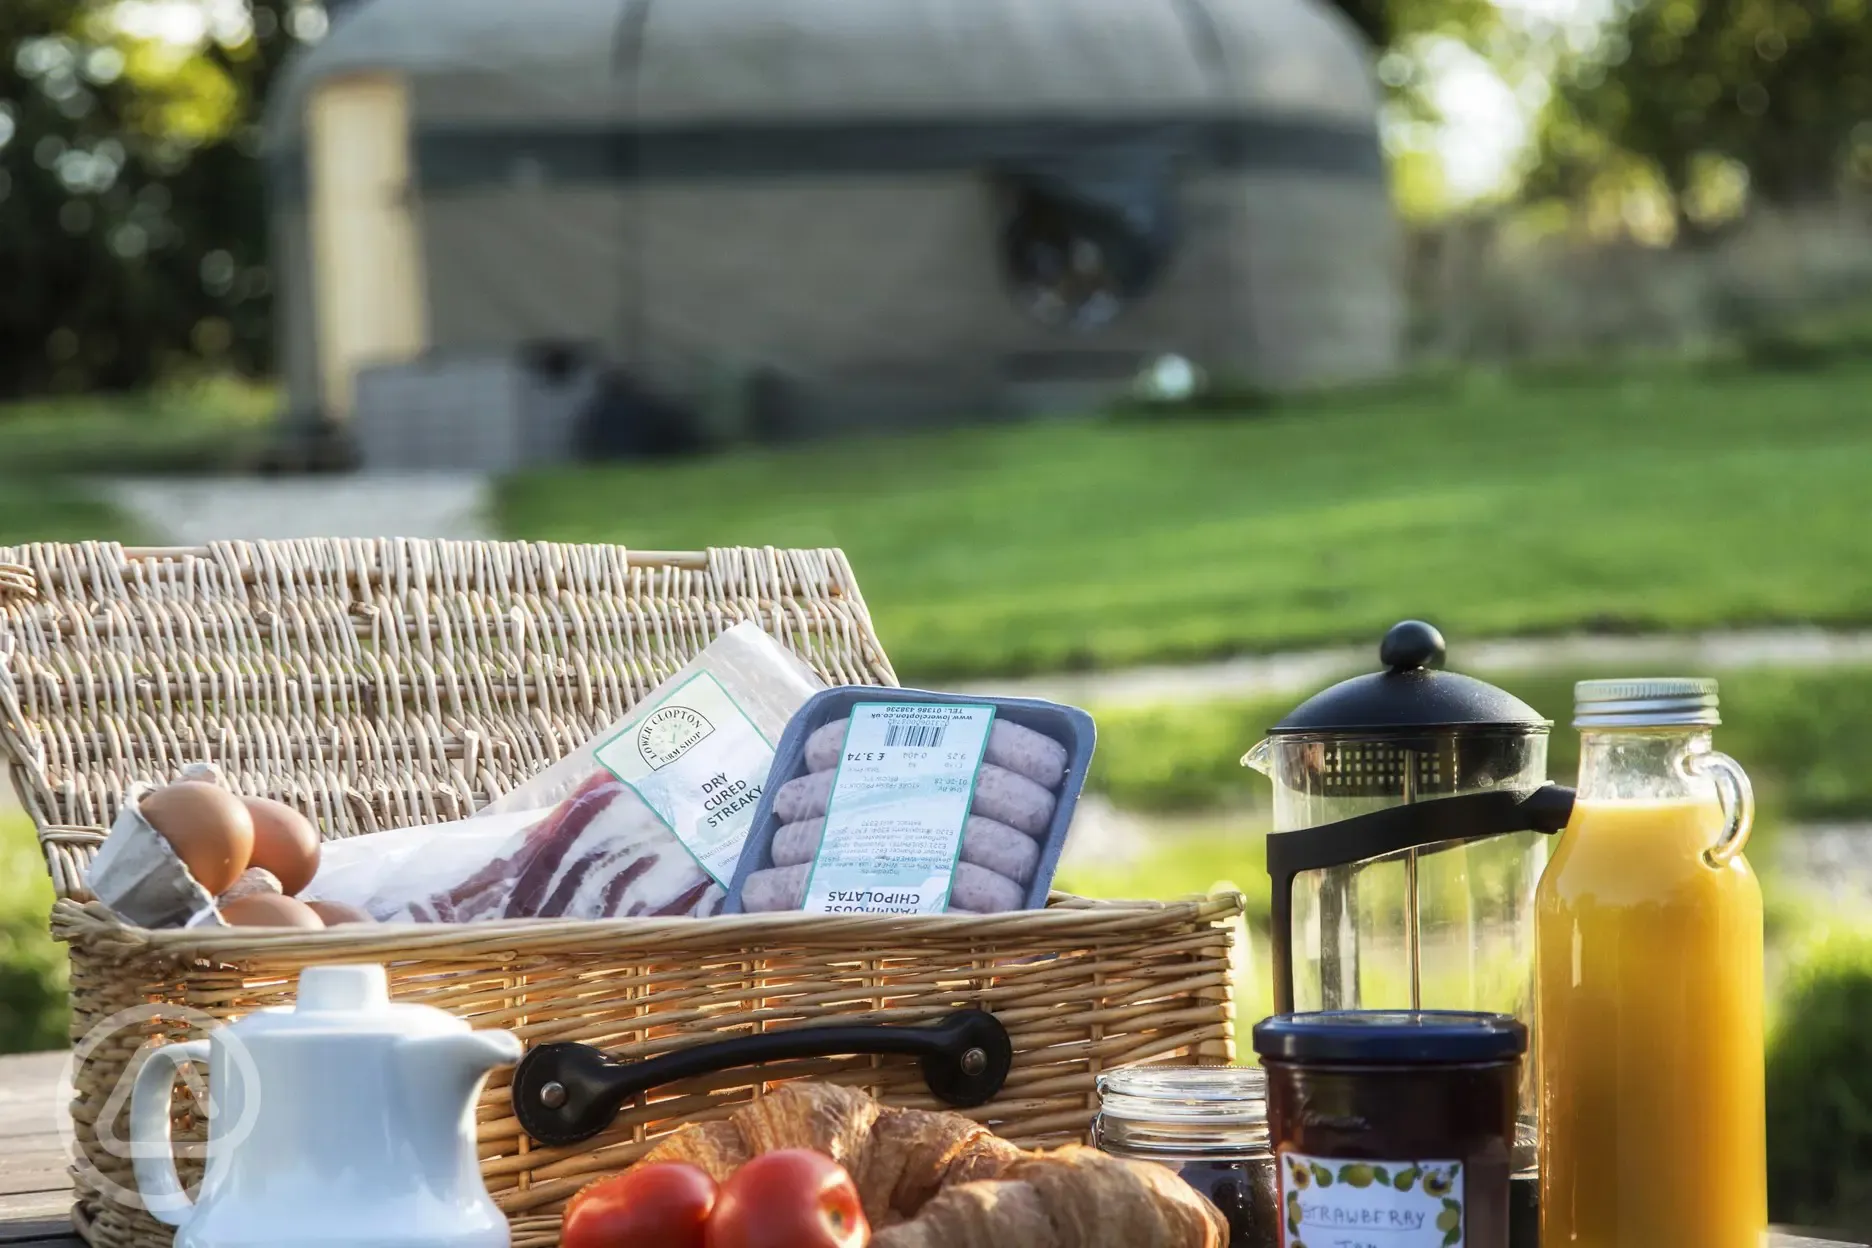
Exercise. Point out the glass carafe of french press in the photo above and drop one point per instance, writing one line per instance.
(1412, 816)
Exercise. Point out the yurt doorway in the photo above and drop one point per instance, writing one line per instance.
(367, 279)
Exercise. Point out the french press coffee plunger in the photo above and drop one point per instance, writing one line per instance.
(1412, 815)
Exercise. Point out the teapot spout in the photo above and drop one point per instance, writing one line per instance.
(1261, 757)
(439, 1076)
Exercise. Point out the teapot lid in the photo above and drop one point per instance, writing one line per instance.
(1410, 695)
(342, 989)
(350, 998)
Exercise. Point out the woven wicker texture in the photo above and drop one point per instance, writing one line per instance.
(372, 684)
(379, 684)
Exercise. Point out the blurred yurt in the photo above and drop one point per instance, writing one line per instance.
(513, 231)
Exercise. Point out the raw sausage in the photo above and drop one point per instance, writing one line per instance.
(1021, 750)
(780, 888)
(794, 843)
(1001, 849)
(985, 843)
(983, 891)
(1012, 799)
(1004, 796)
(804, 797)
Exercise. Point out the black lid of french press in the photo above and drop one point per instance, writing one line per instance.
(1410, 694)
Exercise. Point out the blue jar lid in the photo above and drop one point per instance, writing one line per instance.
(1390, 1037)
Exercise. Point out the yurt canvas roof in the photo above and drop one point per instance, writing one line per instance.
(674, 61)
(539, 130)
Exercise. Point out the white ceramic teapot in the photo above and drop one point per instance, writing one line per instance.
(344, 1119)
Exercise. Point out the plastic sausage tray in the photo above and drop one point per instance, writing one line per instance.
(1068, 725)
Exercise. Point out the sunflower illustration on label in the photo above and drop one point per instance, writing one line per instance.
(1390, 1203)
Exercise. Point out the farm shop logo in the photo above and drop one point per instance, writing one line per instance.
(669, 733)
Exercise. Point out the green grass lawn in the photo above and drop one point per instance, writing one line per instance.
(37, 509)
(48, 445)
(179, 428)
(32, 964)
(1803, 736)
(1674, 499)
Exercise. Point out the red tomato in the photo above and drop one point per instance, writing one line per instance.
(794, 1198)
(660, 1206)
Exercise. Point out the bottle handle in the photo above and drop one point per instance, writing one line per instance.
(1738, 801)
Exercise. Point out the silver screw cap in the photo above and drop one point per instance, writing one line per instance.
(1656, 702)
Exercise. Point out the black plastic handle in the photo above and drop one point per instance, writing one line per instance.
(564, 1093)
(1471, 817)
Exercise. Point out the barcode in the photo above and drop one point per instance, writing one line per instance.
(915, 736)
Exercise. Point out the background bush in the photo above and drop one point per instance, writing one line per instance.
(1820, 1090)
(1802, 735)
(33, 1009)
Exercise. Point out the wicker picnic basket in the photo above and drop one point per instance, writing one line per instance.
(377, 684)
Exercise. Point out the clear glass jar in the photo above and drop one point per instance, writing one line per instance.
(1209, 1124)
(1649, 978)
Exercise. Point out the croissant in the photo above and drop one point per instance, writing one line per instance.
(929, 1180)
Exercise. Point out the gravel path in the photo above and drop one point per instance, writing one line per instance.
(188, 512)
(1307, 670)
(1832, 860)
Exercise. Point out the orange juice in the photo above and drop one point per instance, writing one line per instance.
(1649, 1018)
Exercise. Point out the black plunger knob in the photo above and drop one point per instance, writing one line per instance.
(1411, 645)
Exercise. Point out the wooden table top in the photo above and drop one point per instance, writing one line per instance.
(35, 1189)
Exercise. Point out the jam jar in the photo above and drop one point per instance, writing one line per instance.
(1209, 1124)
(1393, 1128)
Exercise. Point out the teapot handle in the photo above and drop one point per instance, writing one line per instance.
(150, 1151)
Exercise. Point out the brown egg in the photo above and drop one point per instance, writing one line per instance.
(207, 826)
(285, 842)
(336, 912)
(270, 910)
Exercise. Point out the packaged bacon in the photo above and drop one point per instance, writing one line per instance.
(648, 818)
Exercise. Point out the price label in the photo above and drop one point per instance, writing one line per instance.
(894, 823)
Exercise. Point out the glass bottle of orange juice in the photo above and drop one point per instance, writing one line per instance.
(1648, 974)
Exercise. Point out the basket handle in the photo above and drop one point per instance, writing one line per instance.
(564, 1093)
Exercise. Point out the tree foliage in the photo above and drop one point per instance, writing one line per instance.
(132, 226)
(1682, 90)
(131, 214)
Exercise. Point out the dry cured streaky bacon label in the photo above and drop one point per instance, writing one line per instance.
(695, 758)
